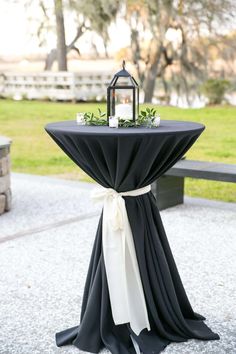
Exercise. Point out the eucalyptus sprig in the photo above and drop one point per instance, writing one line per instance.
(92, 119)
(147, 115)
(127, 123)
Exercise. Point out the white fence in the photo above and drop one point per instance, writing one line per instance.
(65, 86)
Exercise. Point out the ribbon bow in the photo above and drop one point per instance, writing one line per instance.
(124, 282)
(115, 202)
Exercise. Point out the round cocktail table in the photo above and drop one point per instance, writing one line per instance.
(123, 160)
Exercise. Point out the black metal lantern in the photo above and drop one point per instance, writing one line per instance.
(123, 96)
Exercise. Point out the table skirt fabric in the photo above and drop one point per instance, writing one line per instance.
(126, 162)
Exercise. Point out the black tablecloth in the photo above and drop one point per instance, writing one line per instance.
(126, 159)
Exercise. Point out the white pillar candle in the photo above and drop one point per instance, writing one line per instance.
(124, 111)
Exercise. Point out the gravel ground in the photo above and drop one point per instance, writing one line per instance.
(40, 201)
(43, 272)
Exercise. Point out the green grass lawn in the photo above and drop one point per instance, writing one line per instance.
(33, 151)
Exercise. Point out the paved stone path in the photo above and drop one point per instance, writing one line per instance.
(45, 245)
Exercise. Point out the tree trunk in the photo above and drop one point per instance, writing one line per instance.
(61, 40)
(150, 81)
(149, 84)
(52, 56)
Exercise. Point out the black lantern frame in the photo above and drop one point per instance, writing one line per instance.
(114, 86)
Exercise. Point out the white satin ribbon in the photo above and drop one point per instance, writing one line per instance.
(124, 282)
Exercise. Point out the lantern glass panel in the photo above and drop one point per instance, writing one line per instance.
(136, 102)
(122, 103)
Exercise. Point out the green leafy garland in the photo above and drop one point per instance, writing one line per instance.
(145, 118)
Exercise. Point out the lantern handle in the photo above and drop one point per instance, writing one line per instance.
(123, 64)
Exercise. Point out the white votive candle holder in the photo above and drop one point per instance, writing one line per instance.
(113, 122)
(80, 118)
(156, 121)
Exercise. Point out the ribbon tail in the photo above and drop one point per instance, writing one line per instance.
(112, 245)
(123, 277)
(136, 299)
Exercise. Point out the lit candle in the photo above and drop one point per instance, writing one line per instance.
(124, 110)
(113, 122)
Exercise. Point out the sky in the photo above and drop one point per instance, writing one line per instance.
(13, 29)
(15, 37)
